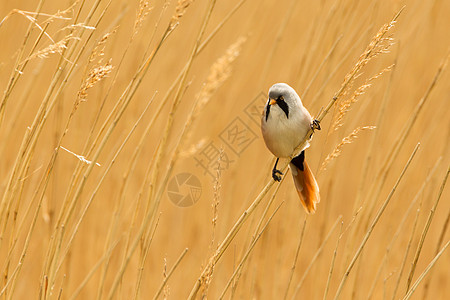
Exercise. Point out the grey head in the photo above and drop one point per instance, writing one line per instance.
(284, 97)
(280, 89)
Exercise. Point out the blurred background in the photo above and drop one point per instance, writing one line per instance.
(84, 231)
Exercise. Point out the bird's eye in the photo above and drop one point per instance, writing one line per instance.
(281, 98)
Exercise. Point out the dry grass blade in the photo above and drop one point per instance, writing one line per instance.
(262, 218)
(425, 231)
(199, 50)
(426, 287)
(325, 82)
(227, 240)
(373, 224)
(145, 249)
(281, 29)
(316, 255)
(30, 17)
(30, 139)
(400, 229)
(322, 64)
(374, 138)
(249, 250)
(59, 15)
(297, 252)
(21, 165)
(333, 260)
(167, 277)
(107, 169)
(93, 270)
(380, 178)
(266, 209)
(156, 197)
(70, 228)
(425, 272)
(175, 104)
(18, 69)
(405, 255)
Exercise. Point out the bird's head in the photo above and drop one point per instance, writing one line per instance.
(284, 97)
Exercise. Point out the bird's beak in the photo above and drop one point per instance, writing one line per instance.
(272, 102)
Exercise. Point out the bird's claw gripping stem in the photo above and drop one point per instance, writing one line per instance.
(315, 125)
(275, 176)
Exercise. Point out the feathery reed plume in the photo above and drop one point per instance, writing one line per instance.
(344, 106)
(166, 288)
(98, 70)
(220, 71)
(379, 44)
(216, 196)
(94, 76)
(99, 50)
(346, 140)
(206, 277)
(144, 9)
(57, 47)
(180, 10)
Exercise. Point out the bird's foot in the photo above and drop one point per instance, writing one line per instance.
(275, 176)
(315, 125)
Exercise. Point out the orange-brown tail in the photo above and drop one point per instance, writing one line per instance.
(306, 186)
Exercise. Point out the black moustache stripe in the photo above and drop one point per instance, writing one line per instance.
(283, 105)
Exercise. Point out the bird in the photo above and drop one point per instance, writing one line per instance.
(284, 124)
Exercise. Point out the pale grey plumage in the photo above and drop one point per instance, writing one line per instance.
(284, 124)
(283, 133)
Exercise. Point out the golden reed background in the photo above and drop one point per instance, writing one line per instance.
(70, 229)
